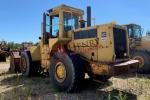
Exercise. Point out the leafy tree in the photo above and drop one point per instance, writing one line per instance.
(13, 45)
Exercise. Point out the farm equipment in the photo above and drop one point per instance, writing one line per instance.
(15, 61)
(15, 57)
(4, 51)
(140, 47)
(69, 48)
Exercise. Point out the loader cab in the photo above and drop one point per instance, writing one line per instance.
(58, 21)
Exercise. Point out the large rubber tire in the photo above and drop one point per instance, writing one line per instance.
(145, 67)
(29, 68)
(73, 68)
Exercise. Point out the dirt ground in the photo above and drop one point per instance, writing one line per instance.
(124, 87)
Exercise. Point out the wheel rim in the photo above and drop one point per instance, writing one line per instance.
(60, 72)
(141, 61)
(23, 64)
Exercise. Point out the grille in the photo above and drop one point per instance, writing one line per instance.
(92, 33)
(120, 42)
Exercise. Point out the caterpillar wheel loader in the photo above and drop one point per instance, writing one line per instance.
(140, 47)
(70, 47)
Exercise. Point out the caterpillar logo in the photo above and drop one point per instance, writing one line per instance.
(89, 43)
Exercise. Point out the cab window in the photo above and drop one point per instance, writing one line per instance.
(54, 26)
(70, 21)
(47, 24)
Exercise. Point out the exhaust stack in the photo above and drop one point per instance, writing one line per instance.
(88, 16)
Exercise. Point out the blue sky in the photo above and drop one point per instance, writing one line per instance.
(20, 20)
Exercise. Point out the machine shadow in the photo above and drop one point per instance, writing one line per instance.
(97, 88)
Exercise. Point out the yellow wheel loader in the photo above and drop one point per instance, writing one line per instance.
(140, 47)
(70, 47)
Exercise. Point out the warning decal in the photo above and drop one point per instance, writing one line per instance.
(104, 36)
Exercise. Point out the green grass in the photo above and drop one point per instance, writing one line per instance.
(121, 96)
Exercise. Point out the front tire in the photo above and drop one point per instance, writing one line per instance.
(71, 71)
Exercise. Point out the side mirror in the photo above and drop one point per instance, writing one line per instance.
(40, 38)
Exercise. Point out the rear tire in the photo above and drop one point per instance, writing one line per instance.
(74, 72)
(144, 59)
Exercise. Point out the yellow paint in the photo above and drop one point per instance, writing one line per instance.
(100, 69)
(35, 52)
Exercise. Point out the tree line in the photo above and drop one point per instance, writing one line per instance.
(13, 45)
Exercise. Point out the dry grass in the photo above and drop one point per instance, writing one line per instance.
(17, 87)
(136, 84)
(124, 87)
